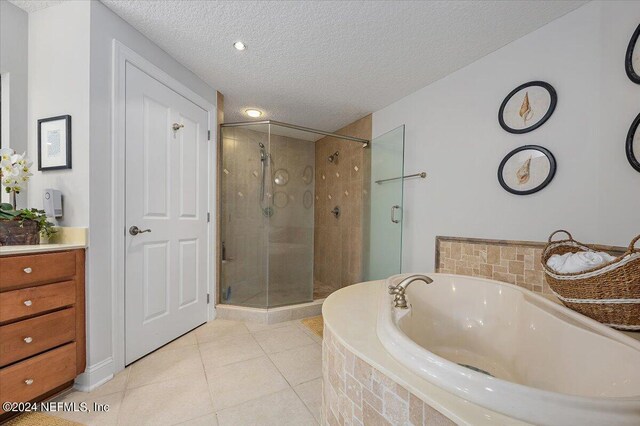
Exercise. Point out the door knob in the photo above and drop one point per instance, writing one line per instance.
(134, 230)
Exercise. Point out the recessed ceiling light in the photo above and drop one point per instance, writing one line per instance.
(239, 45)
(255, 113)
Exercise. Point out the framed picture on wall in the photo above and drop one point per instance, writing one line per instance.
(54, 143)
(632, 58)
(527, 170)
(633, 144)
(527, 107)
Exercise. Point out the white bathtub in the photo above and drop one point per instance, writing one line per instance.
(551, 366)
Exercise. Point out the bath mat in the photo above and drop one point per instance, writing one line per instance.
(39, 419)
(314, 324)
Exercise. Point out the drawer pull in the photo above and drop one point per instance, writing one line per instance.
(27, 270)
(27, 303)
(28, 382)
(28, 339)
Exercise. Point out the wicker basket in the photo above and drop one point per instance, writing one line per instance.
(14, 233)
(609, 293)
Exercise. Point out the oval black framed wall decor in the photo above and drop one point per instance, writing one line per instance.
(633, 144)
(520, 105)
(633, 71)
(527, 170)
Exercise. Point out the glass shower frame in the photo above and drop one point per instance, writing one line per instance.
(267, 213)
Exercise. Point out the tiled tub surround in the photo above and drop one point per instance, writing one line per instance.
(356, 393)
(364, 385)
(513, 262)
(338, 241)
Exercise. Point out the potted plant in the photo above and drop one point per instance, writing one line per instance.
(19, 227)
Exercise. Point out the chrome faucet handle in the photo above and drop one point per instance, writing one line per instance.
(400, 300)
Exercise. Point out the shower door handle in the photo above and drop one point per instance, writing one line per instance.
(393, 214)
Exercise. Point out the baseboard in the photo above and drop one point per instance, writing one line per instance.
(95, 375)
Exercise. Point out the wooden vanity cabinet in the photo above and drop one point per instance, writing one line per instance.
(42, 324)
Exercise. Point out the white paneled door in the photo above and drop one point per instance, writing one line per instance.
(166, 214)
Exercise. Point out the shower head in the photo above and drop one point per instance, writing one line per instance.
(263, 152)
(333, 157)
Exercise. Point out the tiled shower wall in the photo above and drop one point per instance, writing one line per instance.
(344, 183)
(276, 252)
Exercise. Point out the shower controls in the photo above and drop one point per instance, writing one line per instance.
(336, 211)
(334, 157)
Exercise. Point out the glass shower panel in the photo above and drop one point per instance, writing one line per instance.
(245, 211)
(291, 225)
(384, 246)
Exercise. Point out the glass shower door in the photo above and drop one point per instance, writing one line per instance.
(384, 257)
(245, 213)
(291, 225)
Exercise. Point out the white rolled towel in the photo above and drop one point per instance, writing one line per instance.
(569, 263)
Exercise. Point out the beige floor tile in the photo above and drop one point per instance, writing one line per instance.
(208, 420)
(255, 327)
(299, 365)
(219, 328)
(117, 384)
(277, 409)
(166, 403)
(234, 384)
(282, 339)
(92, 418)
(188, 339)
(165, 365)
(230, 349)
(311, 394)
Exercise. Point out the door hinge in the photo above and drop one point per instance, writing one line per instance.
(208, 298)
(208, 217)
(208, 135)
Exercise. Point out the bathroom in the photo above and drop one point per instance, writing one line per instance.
(348, 214)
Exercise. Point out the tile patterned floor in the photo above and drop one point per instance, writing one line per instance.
(223, 373)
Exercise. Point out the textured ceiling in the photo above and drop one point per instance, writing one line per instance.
(33, 5)
(324, 64)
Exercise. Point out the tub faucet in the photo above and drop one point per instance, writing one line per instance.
(400, 300)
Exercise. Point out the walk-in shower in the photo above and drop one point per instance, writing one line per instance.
(268, 211)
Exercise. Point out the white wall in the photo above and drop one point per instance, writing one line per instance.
(14, 38)
(106, 26)
(452, 133)
(59, 85)
(70, 72)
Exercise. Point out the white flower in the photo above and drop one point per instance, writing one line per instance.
(14, 170)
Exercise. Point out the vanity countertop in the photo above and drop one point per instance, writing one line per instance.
(66, 238)
(37, 248)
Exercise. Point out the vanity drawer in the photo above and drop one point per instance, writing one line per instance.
(19, 271)
(29, 337)
(29, 379)
(34, 300)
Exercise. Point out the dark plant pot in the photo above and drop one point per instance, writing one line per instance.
(13, 234)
